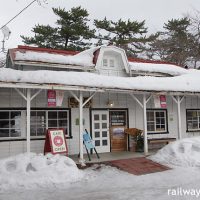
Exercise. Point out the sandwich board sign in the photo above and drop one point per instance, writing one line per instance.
(55, 141)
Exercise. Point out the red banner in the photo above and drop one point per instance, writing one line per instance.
(163, 103)
(51, 98)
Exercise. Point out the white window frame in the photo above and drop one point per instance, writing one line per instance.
(195, 119)
(11, 128)
(108, 62)
(154, 122)
(55, 119)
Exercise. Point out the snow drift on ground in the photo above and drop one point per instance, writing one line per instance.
(32, 170)
(183, 153)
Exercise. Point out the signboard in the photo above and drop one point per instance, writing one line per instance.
(160, 101)
(55, 141)
(51, 98)
(88, 141)
(73, 103)
(163, 103)
(59, 97)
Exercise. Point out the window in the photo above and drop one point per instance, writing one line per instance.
(193, 120)
(45, 119)
(156, 121)
(10, 123)
(105, 62)
(108, 62)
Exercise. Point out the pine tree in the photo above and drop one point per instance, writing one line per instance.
(174, 44)
(129, 35)
(71, 32)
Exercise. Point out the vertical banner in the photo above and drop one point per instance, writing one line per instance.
(163, 103)
(160, 101)
(156, 99)
(51, 98)
(59, 97)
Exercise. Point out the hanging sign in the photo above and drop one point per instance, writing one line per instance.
(51, 98)
(160, 101)
(59, 97)
(163, 103)
(55, 141)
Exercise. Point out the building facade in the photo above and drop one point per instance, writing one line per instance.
(106, 113)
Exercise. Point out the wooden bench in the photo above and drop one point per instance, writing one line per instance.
(161, 140)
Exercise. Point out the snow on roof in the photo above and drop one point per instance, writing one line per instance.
(184, 83)
(84, 58)
(184, 153)
(171, 69)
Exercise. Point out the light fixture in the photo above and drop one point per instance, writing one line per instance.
(110, 103)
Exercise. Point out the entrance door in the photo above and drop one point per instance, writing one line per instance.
(100, 130)
(118, 122)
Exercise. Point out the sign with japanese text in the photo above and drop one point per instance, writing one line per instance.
(160, 101)
(51, 98)
(163, 103)
(55, 141)
(59, 97)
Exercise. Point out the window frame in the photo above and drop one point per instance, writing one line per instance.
(198, 120)
(9, 119)
(166, 121)
(108, 63)
(41, 137)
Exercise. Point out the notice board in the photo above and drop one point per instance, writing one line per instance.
(55, 142)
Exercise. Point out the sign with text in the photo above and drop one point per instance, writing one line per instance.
(59, 97)
(160, 101)
(51, 98)
(55, 141)
(163, 103)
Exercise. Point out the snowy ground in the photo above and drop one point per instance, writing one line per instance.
(37, 177)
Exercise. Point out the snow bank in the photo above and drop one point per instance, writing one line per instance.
(32, 170)
(183, 153)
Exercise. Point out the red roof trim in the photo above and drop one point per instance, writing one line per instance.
(45, 50)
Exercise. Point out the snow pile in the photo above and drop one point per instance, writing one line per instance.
(183, 153)
(32, 170)
(159, 68)
(84, 58)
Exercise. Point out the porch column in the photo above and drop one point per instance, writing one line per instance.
(143, 106)
(28, 100)
(81, 160)
(145, 124)
(28, 110)
(178, 101)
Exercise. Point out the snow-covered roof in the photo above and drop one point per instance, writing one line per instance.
(189, 82)
(87, 59)
(83, 59)
(170, 69)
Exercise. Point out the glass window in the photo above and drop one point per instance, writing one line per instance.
(10, 123)
(156, 121)
(41, 120)
(193, 120)
(105, 62)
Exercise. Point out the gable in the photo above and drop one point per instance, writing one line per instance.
(112, 60)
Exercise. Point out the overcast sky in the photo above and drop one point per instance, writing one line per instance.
(155, 12)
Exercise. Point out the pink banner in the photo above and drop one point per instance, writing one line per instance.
(51, 98)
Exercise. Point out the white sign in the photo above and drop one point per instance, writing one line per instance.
(59, 97)
(58, 142)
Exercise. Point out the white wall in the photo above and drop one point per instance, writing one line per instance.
(11, 99)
